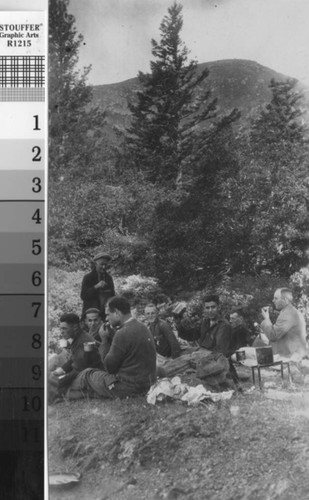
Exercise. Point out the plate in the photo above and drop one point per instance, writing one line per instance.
(63, 478)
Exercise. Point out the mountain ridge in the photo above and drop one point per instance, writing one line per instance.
(237, 83)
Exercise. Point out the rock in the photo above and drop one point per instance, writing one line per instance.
(305, 366)
(297, 376)
(91, 462)
(176, 493)
(68, 445)
(234, 410)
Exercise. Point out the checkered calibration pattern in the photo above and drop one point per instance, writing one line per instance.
(22, 78)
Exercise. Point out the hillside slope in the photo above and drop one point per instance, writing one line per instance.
(236, 83)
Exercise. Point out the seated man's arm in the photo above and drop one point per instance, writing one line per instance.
(283, 324)
(115, 357)
(106, 335)
(186, 330)
(223, 339)
(171, 339)
(68, 365)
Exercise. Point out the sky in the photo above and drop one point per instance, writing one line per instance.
(117, 34)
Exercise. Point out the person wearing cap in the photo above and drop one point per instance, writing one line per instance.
(98, 285)
(128, 357)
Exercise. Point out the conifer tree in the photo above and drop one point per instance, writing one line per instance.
(272, 187)
(280, 133)
(72, 121)
(168, 129)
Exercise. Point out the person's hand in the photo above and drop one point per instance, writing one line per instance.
(59, 371)
(101, 284)
(264, 338)
(265, 312)
(105, 333)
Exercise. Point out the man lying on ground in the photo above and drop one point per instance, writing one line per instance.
(128, 356)
(78, 359)
(288, 335)
(166, 342)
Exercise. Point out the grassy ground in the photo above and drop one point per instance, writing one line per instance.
(248, 448)
(251, 447)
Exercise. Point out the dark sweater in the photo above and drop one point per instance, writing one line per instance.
(91, 296)
(131, 355)
(241, 337)
(166, 343)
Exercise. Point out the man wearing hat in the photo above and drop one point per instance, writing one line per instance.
(98, 285)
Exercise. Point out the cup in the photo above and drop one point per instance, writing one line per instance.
(63, 343)
(240, 355)
(89, 346)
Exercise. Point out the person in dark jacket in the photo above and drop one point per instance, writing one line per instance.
(241, 335)
(128, 355)
(165, 340)
(79, 359)
(98, 285)
(214, 333)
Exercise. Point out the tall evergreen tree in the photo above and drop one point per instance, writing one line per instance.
(73, 123)
(272, 210)
(75, 142)
(169, 118)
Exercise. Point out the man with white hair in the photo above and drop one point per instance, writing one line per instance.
(288, 335)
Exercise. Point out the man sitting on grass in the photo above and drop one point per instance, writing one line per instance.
(93, 323)
(166, 342)
(215, 332)
(128, 357)
(241, 335)
(79, 359)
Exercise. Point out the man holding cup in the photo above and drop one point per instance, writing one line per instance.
(82, 354)
(288, 335)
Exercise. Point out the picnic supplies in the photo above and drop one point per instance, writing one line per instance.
(264, 355)
(64, 478)
(212, 364)
(168, 388)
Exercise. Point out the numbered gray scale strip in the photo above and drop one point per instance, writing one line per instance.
(23, 139)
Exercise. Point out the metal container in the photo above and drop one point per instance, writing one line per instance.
(240, 355)
(89, 346)
(264, 355)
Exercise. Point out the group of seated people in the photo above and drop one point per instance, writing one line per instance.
(114, 354)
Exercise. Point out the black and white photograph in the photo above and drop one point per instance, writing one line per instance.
(178, 243)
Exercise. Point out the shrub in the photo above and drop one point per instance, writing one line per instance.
(140, 289)
(299, 282)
